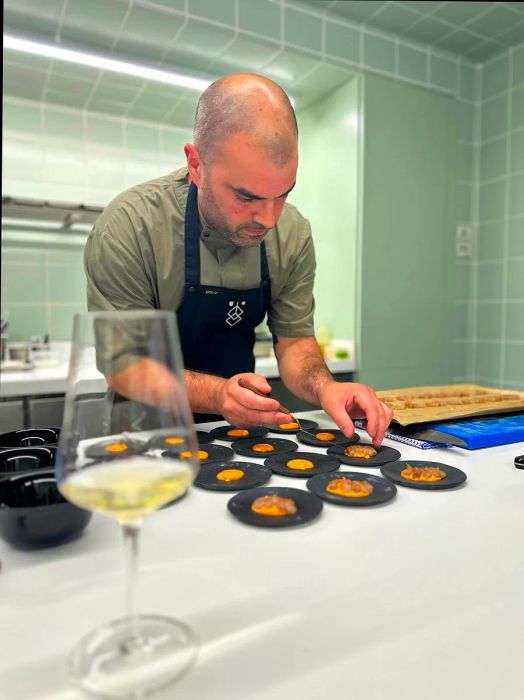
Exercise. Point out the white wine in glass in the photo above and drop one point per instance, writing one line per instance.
(124, 456)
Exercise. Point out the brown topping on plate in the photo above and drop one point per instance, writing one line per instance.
(274, 505)
(349, 487)
(363, 451)
(422, 473)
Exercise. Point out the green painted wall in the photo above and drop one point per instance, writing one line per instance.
(409, 218)
(498, 292)
(326, 193)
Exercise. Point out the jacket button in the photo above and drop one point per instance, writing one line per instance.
(192, 289)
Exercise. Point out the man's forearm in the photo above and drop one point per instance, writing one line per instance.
(302, 367)
(203, 391)
(154, 384)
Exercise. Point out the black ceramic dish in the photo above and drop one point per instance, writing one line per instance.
(26, 459)
(340, 438)
(308, 507)
(161, 442)
(215, 453)
(220, 433)
(384, 455)
(383, 489)
(321, 464)
(34, 437)
(454, 477)
(304, 425)
(254, 475)
(244, 447)
(101, 450)
(34, 514)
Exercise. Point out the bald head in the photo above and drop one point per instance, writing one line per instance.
(249, 104)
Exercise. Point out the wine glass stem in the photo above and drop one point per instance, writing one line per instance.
(131, 534)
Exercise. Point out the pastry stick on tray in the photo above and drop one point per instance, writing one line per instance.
(432, 403)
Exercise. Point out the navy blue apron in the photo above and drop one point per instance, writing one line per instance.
(216, 324)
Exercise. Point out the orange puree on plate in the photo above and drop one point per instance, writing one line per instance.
(237, 432)
(174, 440)
(300, 464)
(263, 447)
(350, 488)
(230, 474)
(117, 447)
(274, 505)
(325, 436)
(200, 454)
(288, 426)
(422, 473)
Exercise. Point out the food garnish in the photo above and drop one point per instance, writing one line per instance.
(274, 505)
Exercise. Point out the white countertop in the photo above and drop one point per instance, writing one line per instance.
(422, 597)
(36, 382)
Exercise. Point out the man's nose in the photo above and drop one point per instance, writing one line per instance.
(265, 214)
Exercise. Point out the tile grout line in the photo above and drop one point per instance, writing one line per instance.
(505, 240)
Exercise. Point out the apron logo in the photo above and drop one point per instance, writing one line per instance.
(235, 313)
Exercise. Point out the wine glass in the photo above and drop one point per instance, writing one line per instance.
(127, 446)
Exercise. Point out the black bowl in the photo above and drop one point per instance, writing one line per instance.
(26, 459)
(34, 514)
(33, 437)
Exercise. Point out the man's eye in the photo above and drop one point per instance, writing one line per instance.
(241, 198)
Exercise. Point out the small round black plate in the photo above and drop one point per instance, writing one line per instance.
(244, 447)
(220, 433)
(454, 477)
(99, 450)
(383, 489)
(384, 454)
(159, 442)
(340, 438)
(322, 464)
(304, 425)
(216, 453)
(254, 475)
(308, 507)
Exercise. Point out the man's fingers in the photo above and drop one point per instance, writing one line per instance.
(343, 421)
(243, 419)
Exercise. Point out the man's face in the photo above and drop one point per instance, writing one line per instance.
(242, 192)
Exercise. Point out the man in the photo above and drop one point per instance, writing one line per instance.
(217, 243)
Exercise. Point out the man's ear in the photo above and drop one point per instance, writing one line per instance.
(194, 163)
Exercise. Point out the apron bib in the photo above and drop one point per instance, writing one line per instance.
(217, 324)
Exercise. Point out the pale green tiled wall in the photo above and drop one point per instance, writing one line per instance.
(42, 286)
(327, 193)
(83, 156)
(498, 293)
(67, 155)
(409, 218)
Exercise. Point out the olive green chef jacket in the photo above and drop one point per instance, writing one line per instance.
(134, 257)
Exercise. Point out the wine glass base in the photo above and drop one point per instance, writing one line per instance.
(110, 663)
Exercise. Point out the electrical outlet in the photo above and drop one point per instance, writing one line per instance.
(464, 242)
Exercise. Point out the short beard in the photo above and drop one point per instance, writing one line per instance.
(214, 219)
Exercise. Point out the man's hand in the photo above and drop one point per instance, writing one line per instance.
(243, 408)
(344, 400)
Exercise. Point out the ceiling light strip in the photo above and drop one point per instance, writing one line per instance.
(110, 64)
